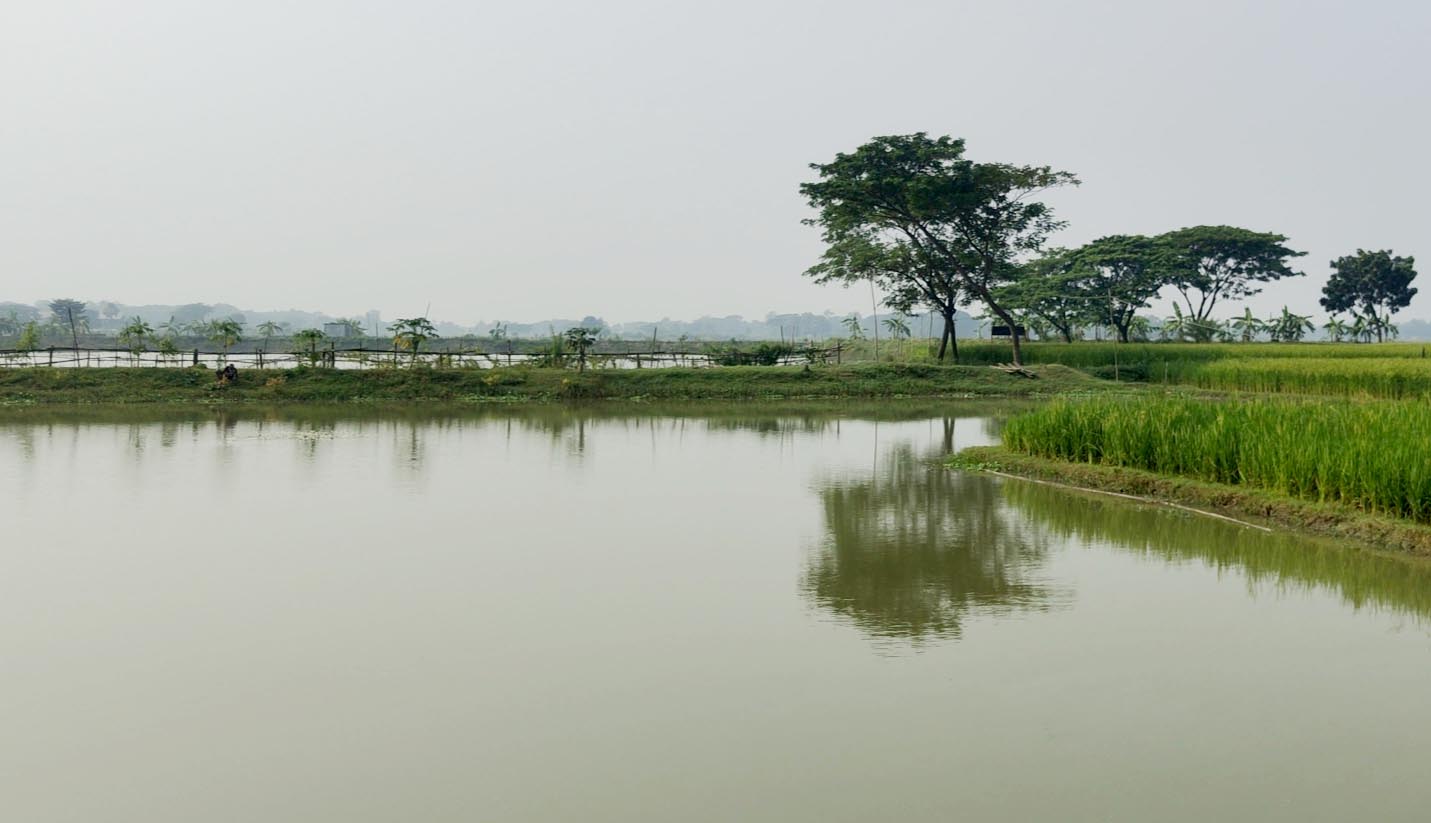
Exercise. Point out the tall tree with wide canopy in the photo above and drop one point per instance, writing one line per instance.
(1372, 285)
(922, 202)
(1118, 275)
(1213, 263)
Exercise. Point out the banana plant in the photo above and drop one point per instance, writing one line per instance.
(134, 336)
(1247, 326)
(1336, 329)
(226, 333)
(410, 333)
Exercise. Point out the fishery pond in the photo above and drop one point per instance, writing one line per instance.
(695, 613)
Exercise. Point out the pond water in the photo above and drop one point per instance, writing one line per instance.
(699, 614)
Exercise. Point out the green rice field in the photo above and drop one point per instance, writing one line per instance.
(1374, 456)
(1390, 370)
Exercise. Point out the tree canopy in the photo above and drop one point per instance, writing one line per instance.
(1372, 285)
(1117, 275)
(1211, 263)
(906, 209)
(410, 333)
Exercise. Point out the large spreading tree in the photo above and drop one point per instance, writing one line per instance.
(1212, 263)
(919, 202)
(1372, 285)
(1118, 275)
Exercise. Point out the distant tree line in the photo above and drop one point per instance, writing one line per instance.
(915, 217)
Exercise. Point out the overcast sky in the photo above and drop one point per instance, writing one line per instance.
(522, 160)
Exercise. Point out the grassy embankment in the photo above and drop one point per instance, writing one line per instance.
(1345, 369)
(1392, 370)
(1356, 470)
(305, 385)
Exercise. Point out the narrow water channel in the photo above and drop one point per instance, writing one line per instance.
(698, 614)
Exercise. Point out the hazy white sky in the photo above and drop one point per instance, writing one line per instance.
(629, 159)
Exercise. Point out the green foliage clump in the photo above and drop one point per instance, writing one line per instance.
(761, 354)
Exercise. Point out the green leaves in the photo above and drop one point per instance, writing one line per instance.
(1210, 263)
(581, 339)
(134, 335)
(915, 215)
(1372, 285)
(410, 333)
(226, 333)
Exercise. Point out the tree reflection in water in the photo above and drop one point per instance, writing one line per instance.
(1277, 561)
(914, 550)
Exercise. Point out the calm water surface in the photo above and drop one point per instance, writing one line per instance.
(714, 615)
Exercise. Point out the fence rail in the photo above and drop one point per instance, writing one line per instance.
(367, 358)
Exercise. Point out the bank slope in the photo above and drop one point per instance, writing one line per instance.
(308, 385)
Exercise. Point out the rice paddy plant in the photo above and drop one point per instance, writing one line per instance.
(1370, 377)
(1374, 456)
(1155, 356)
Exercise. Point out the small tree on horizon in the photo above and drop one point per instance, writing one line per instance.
(854, 327)
(1373, 286)
(898, 327)
(410, 333)
(135, 335)
(29, 339)
(1336, 329)
(1288, 327)
(268, 330)
(1247, 326)
(226, 333)
(582, 339)
(70, 314)
(308, 341)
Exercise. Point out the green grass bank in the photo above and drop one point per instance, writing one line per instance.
(30, 386)
(1371, 456)
(1347, 526)
(1338, 467)
(1389, 370)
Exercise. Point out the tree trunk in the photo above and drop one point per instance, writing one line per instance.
(947, 338)
(1013, 331)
